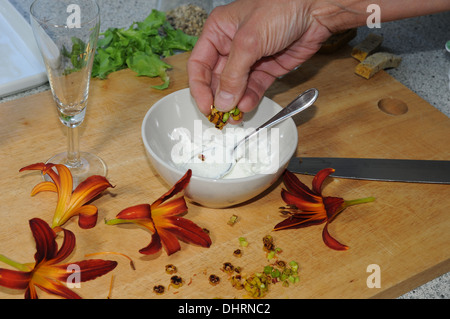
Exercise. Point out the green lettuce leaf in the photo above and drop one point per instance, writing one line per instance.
(141, 48)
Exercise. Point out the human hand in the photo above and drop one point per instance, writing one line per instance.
(245, 46)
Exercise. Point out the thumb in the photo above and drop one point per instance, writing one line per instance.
(234, 77)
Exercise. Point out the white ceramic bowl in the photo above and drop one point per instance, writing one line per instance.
(178, 110)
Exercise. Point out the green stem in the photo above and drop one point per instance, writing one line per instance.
(14, 264)
(358, 201)
(117, 221)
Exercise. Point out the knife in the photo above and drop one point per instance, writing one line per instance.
(398, 170)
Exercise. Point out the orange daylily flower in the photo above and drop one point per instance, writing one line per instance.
(70, 203)
(46, 272)
(164, 220)
(308, 207)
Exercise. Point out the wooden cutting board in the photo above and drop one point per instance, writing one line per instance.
(406, 231)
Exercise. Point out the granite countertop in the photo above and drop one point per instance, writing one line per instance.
(425, 68)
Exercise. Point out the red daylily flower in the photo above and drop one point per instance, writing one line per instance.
(164, 220)
(46, 272)
(70, 203)
(308, 207)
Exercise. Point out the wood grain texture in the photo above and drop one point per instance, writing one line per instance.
(406, 231)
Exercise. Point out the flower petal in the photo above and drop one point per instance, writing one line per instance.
(56, 288)
(46, 169)
(174, 207)
(87, 216)
(66, 248)
(46, 246)
(154, 246)
(170, 242)
(333, 206)
(44, 187)
(189, 232)
(295, 222)
(14, 279)
(330, 241)
(170, 226)
(178, 187)
(88, 189)
(319, 178)
(64, 184)
(89, 269)
(141, 211)
(31, 293)
(300, 203)
(34, 167)
(296, 187)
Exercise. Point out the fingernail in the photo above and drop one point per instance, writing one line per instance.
(224, 101)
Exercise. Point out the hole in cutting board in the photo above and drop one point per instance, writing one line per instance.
(392, 106)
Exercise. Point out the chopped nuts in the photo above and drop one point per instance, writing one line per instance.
(281, 264)
(214, 280)
(176, 281)
(159, 289)
(220, 118)
(257, 285)
(228, 267)
(236, 282)
(268, 243)
(171, 269)
(237, 253)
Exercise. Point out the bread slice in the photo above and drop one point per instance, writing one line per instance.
(376, 62)
(368, 46)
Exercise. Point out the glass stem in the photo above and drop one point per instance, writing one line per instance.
(73, 147)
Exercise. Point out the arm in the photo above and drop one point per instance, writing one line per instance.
(339, 15)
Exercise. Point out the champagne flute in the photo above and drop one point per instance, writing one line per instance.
(66, 32)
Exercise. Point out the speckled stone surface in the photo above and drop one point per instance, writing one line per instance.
(424, 69)
(425, 62)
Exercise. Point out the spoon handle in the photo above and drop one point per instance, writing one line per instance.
(300, 103)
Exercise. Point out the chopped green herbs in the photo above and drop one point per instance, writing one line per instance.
(140, 48)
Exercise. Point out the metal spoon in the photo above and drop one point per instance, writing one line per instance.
(299, 104)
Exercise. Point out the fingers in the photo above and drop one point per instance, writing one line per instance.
(233, 80)
(199, 68)
(220, 65)
(208, 58)
(258, 83)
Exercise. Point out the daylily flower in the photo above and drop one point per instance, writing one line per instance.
(70, 203)
(46, 272)
(164, 220)
(308, 207)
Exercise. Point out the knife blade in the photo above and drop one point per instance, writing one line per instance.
(399, 170)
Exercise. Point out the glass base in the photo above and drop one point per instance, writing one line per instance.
(90, 164)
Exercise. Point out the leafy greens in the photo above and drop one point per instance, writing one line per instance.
(140, 48)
